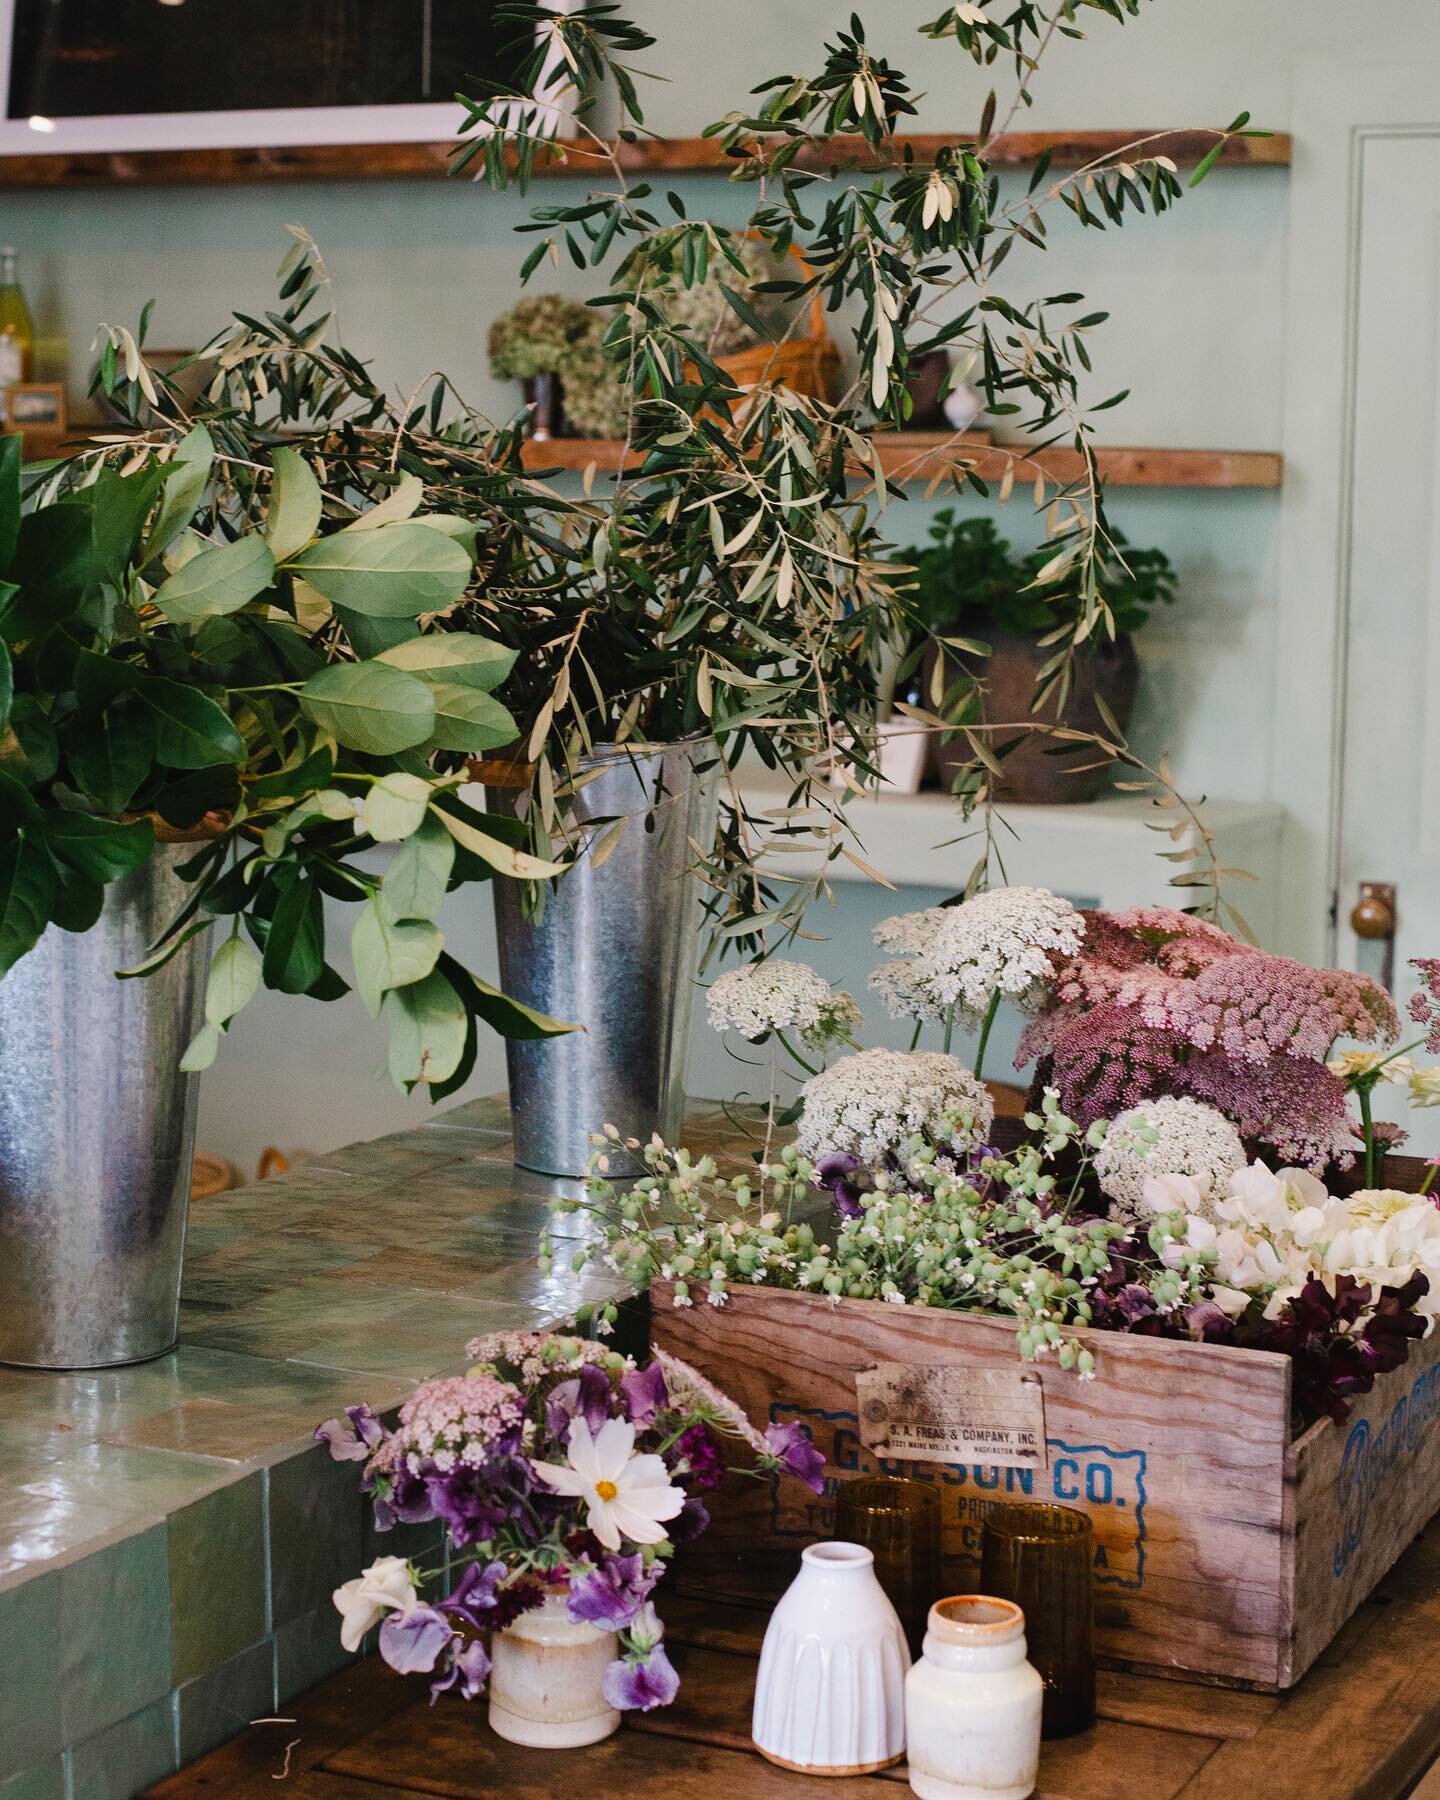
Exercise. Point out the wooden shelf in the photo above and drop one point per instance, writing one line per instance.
(672, 156)
(918, 455)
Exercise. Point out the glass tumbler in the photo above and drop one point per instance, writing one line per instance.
(898, 1520)
(1041, 1557)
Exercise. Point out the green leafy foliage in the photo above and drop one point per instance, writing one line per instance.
(164, 658)
(969, 580)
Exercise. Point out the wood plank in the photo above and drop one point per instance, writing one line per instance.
(1360, 1729)
(919, 456)
(717, 1690)
(1124, 1696)
(452, 1752)
(676, 156)
(324, 1720)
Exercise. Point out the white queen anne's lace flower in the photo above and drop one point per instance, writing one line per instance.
(962, 955)
(781, 996)
(1148, 1146)
(869, 1104)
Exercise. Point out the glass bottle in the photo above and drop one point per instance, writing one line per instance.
(898, 1521)
(17, 329)
(1040, 1556)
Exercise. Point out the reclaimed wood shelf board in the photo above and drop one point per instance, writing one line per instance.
(921, 455)
(1363, 1725)
(671, 156)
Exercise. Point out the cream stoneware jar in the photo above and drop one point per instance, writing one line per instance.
(972, 1704)
(830, 1691)
(545, 1680)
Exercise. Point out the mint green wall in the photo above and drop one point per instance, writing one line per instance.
(1199, 311)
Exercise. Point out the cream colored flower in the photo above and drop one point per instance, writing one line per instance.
(1424, 1085)
(363, 1602)
(1352, 1064)
(626, 1496)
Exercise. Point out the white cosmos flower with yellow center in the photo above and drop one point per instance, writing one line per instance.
(627, 1496)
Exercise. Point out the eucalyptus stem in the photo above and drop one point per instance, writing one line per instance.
(989, 1020)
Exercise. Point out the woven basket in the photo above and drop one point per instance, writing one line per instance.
(806, 365)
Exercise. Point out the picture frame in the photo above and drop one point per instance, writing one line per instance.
(35, 406)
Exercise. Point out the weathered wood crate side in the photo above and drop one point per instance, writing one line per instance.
(1361, 1493)
(1176, 1450)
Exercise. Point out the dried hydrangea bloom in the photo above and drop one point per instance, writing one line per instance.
(1167, 1136)
(781, 996)
(869, 1105)
(1003, 941)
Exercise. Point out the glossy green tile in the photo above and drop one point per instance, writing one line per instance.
(36, 1527)
(418, 1340)
(30, 1731)
(307, 1650)
(114, 1633)
(46, 1781)
(218, 1587)
(115, 1764)
(313, 1512)
(135, 1480)
(224, 1700)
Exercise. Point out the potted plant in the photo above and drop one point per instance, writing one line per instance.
(208, 724)
(972, 589)
(533, 344)
(730, 593)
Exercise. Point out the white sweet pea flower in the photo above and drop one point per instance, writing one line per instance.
(625, 1495)
(1171, 1193)
(363, 1602)
(1231, 1301)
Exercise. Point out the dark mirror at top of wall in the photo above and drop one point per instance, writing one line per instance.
(87, 58)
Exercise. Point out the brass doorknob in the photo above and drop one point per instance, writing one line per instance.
(1373, 915)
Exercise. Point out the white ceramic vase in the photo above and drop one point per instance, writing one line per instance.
(830, 1693)
(545, 1680)
(972, 1704)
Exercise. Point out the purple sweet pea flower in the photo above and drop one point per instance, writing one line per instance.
(645, 1394)
(797, 1455)
(640, 1684)
(469, 1670)
(838, 1174)
(691, 1521)
(475, 1594)
(587, 1396)
(696, 1456)
(353, 1437)
(411, 1641)
(612, 1594)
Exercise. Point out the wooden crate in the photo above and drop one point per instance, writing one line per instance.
(1223, 1548)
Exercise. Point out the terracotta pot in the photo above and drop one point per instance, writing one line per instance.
(545, 397)
(1034, 773)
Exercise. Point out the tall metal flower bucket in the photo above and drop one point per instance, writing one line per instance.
(615, 951)
(97, 1127)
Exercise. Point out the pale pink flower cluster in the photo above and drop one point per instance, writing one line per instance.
(533, 1354)
(456, 1419)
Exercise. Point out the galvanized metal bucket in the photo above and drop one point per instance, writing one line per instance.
(615, 951)
(97, 1128)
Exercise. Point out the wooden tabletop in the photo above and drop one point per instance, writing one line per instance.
(1363, 1725)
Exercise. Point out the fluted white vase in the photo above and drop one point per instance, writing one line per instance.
(830, 1694)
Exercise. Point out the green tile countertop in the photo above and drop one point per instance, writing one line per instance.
(169, 1532)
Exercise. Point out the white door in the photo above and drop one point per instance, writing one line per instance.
(1388, 820)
